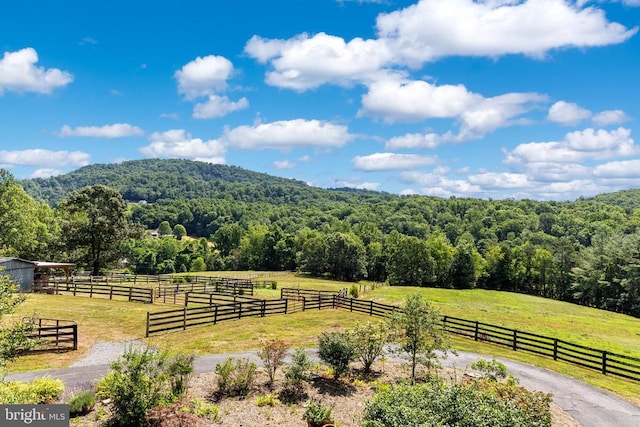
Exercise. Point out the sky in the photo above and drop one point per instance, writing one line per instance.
(534, 99)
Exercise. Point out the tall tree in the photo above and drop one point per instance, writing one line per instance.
(28, 228)
(95, 225)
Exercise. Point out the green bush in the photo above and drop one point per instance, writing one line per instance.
(82, 403)
(490, 369)
(482, 404)
(316, 413)
(235, 376)
(295, 376)
(180, 370)
(141, 380)
(354, 292)
(337, 350)
(267, 400)
(274, 285)
(39, 391)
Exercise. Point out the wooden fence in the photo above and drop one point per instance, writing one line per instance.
(130, 293)
(170, 320)
(54, 334)
(211, 298)
(606, 362)
(299, 293)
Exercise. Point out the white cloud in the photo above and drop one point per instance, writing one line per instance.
(283, 135)
(207, 77)
(416, 140)
(623, 169)
(42, 157)
(372, 186)
(218, 106)
(391, 161)
(433, 29)
(305, 62)
(403, 100)
(177, 143)
(173, 116)
(578, 146)
(436, 183)
(283, 164)
(19, 73)
(117, 130)
(46, 173)
(567, 113)
(610, 117)
(496, 180)
(204, 76)
(395, 99)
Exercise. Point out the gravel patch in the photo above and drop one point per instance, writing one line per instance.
(105, 353)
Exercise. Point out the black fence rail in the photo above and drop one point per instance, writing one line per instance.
(181, 319)
(606, 362)
(53, 334)
(299, 293)
(211, 298)
(130, 293)
(369, 307)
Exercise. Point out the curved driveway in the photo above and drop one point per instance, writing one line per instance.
(590, 406)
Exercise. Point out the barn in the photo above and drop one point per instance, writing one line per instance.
(20, 271)
(32, 275)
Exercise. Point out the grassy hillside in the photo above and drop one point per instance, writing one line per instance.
(103, 320)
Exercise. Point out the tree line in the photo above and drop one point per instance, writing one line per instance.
(585, 251)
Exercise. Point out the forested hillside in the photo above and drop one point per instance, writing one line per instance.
(585, 251)
(626, 198)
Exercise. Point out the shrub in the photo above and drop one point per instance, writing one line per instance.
(337, 350)
(296, 375)
(354, 292)
(316, 413)
(39, 391)
(274, 285)
(369, 340)
(180, 370)
(235, 376)
(202, 409)
(82, 403)
(482, 404)
(267, 400)
(492, 370)
(272, 354)
(139, 381)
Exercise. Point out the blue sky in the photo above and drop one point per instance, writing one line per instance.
(487, 98)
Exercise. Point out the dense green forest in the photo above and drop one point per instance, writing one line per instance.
(586, 251)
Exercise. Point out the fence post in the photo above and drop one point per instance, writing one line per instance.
(240, 310)
(215, 315)
(186, 298)
(184, 320)
(75, 336)
(148, 321)
(111, 292)
(515, 340)
(604, 363)
(555, 349)
(130, 293)
(286, 305)
(475, 333)
(371, 308)
(263, 308)
(91, 291)
(57, 332)
(304, 303)
(351, 304)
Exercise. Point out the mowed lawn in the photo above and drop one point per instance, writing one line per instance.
(102, 320)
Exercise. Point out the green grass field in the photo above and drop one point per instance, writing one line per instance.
(102, 320)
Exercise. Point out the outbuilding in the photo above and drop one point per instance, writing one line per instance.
(32, 276)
